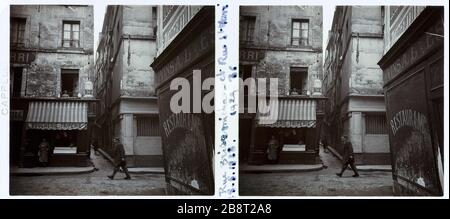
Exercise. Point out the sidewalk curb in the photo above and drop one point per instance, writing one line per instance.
(130, 169)
(311, 169)
(337, 155)
(106, 155)
(151, 170)
(372, 169)
(334, 152)
(29, 172)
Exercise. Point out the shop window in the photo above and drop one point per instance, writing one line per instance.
(64, 142)
(247, 28)
(147, 126)
(376, 124)
(71, 34)
(299, 79)
(69, 82)
(17, 32)
(16, 81)
(300, 32)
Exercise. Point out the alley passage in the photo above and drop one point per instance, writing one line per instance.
(317, 183)
(89, 184)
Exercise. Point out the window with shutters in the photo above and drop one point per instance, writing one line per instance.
(147, 126)
(376, 124)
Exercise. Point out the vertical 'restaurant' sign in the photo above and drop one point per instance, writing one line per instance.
(187, 136)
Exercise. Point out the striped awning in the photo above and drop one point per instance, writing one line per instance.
(287, 113)
(57, 115)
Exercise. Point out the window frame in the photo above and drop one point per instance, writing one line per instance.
(19, 39)
(149, 123)
(71, 40)
(76, 89)
(304, 76)
(300, 39)
(373, 124)
(249, 37)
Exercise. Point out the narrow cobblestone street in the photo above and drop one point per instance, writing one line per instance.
(317, 183)
(90, 184)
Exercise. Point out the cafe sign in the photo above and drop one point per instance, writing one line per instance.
(22, 57)
(251, 55)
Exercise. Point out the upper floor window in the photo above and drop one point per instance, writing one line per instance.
(299, 80)
(16, 81)
(300, 32)
(247, 28)
(71, 34)
(69, 82)
(17, 31)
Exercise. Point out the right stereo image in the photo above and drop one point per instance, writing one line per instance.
(341, 101)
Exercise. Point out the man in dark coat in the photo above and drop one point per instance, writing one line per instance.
(348, 158)
(119, 159)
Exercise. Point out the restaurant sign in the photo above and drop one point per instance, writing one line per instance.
(250, 55)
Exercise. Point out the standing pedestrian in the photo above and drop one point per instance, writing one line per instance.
(272, 150)
(325, 144)
(43, 153)
(119, 159)
(349, 157)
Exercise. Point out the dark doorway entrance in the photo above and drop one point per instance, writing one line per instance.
(245, 136)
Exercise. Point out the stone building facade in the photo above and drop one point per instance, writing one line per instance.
(283, 42)
(186, 44)
(125, 84)
(52, 64)
(353, 82)
(413, 76)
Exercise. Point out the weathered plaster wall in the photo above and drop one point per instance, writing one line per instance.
(275, 35)
(138, 77)
(277, 32)
(45, 24)
(366, 76)
(277, 64)
(43, 34)
(137, 20)
(43, 78)
(367, 19)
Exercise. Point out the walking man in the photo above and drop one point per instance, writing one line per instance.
(119, 159)
(349, 158)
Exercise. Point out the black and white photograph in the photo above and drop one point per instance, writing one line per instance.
(220, 107)
(360, 115)
(94, 118)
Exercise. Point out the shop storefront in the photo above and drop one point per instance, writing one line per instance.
(413, 84)
(64, 125)
(297, 130)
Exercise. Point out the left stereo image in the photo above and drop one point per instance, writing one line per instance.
(111, 110)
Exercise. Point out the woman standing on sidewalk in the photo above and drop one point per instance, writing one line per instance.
(43, 153)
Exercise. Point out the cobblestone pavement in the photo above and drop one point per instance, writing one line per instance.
(317, 183)
(89, 184)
